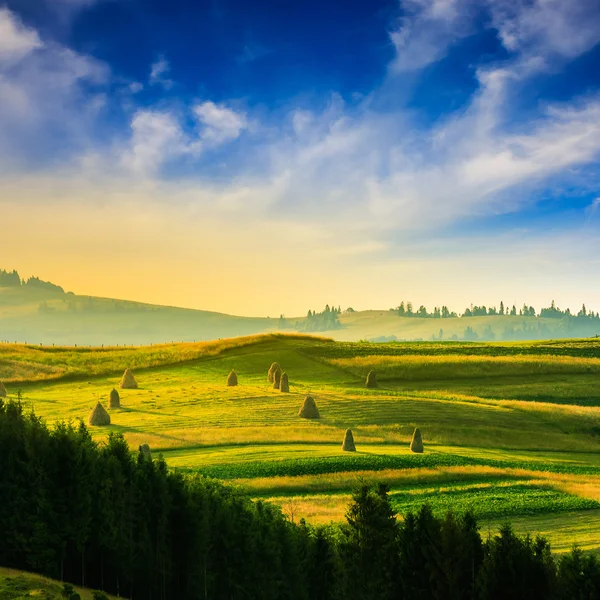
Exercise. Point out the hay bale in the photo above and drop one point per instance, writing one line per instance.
(371, 380)
(284, 384)
(271, 374)
(99, 417)
(128, 382)
(276, 379)
(145, 451)
(114, 400)
(309, 409)
(348, 445)
(416, 444)
(3, 392)
(232, 378)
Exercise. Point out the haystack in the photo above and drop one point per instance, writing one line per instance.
(2, 390)
(276, 379)
(99, 417)
(284, 384)
(128, 382)
(348, 444)
(145, 451)
(371, 380)
(416, 445)
(271, 375)
(114, 400)
(232, 378)
(309, 409)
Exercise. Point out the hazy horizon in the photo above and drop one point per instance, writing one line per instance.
(437, 151)
(590, 307)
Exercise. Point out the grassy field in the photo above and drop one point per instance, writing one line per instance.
(17, 585)
(511, 430)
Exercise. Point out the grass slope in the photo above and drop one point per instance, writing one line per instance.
(511, 429)
(17, 585)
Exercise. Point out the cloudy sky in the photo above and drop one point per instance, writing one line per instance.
(269, 157)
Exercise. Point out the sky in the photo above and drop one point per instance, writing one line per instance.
(270, 157)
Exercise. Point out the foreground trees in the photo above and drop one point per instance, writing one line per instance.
(98, 515)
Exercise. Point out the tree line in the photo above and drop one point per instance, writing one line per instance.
(327, 319)
(405, 309)
(100, 516)
(13, 279)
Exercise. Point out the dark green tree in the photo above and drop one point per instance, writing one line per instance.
(368, 546)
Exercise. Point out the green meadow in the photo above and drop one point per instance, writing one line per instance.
(17, 585)
(511, 430)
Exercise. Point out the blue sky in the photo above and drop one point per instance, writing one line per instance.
(439, 151)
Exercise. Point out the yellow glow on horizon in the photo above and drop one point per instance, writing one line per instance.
(184, 255)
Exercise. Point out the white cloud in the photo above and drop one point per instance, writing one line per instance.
(156, 137)
(565, 28)
(593, 208)
(158, 73)
(301, 119)
(427, 30)
(220, 124)
(543, 28)
(50, 92)
(16, 40)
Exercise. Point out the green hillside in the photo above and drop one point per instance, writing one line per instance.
(18, 585)
(511, 430)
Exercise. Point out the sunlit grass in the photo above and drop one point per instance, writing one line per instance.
(20, 362)
(478, 429)
(419, 367)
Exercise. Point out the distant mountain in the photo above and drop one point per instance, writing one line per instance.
(37, 311)
(42, 315)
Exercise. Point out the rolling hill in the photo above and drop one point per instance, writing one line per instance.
(44, 314)
(37, 315)
(511, 430)
(15, 585)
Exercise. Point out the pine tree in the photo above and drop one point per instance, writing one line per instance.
(368, 546)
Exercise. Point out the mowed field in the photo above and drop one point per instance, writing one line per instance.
(511, 431)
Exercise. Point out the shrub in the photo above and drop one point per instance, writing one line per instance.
(2, 390)
(416, 444)
(99, 417)
(309, 409)
(97, 595)
(348, 444)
